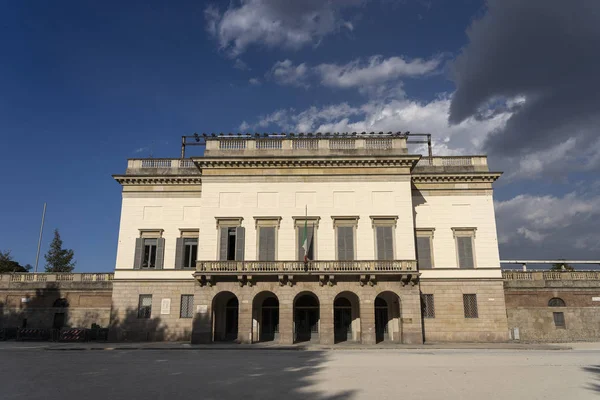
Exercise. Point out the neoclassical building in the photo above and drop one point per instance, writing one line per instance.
(317, 237)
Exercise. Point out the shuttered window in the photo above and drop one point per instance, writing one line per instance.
(149, 256)
(424, 258)
(385, 242)
(232, 243)
(266, 243)
(559, 319)
(187, 306)
(464, 246)
(345, 243)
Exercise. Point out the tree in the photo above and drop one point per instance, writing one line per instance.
(57, 258)
(7, 264)
(561, 267)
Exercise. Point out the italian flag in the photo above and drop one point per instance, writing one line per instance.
(305, 242)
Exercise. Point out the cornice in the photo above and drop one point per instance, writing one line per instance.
(475, 177)
(294, 162)
(158, 180)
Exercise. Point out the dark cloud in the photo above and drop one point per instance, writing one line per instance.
(545, 50)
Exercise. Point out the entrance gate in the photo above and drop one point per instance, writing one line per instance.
(381, 320)
(306, 318)
(269, 328)
(342, 320)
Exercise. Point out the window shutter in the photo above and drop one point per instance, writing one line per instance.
(380, 243)
(139, 253)
(389, 242)
(179, 253)
(160, 253)
(424, 252)
(223, 244)
(310, 233)
(465, 252)
(266, 244)
(345, 243)
(240, 240)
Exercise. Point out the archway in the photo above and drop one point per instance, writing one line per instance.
(306, 317)
(265, 317)
(346, 317)
(387, 317)
(225, 317)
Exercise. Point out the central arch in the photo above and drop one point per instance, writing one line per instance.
(306, 317)
(225, 317)
(265, 317)
(387, 317)
(346, 317)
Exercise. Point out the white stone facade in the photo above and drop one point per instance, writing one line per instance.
(359, 180)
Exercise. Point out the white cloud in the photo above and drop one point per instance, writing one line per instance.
(239, 64)
(244, 126)
(286, 73)
(549, 226)
(254, 81)
(376, 70)
(275, 23)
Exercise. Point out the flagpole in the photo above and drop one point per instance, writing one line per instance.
(37, 256)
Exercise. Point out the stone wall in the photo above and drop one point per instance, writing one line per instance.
(450, 324)
(30, 300)
(527, 296)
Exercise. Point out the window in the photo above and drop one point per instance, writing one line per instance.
(384, 236)
(470, 305)
(149, 250)
(559, 319)
(556, 302)
(266, 243)
(464, 247)
(306, 237)
(231, 239)
(424, 248)
(191, 252)
(344, 237)
(187, 306)
(145, 306)
(186, 252)
(428, 306)
(267, 228)
(149, 260)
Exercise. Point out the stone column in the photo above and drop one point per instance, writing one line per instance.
(367, 320)
(245, 320)
(410, 315)
(286, 319)
(326, 328)
(202, 323)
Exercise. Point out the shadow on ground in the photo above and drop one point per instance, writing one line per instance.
(595, 371)
(205, 374)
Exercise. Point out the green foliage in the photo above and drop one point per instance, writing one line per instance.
(57, 258)
(7, 264)
(561, 267)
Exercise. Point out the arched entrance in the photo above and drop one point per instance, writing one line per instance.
(225, 317)
(387, 317)
(306, 317)
(346, 320)
(265, 317)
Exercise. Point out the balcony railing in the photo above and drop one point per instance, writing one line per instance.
(366, 266)
(57, 277)
(453, 161)
(550, 275)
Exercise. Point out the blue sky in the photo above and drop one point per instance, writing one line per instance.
(86, 85)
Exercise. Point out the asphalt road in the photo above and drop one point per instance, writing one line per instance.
(278, 374)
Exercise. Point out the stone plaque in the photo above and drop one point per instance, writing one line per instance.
(202, 308)
(165, 306)
(595, 298)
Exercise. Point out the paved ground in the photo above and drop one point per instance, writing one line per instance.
(30, 373)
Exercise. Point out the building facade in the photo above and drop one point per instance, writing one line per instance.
(322, 238)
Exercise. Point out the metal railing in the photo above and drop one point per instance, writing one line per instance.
(299, 266)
